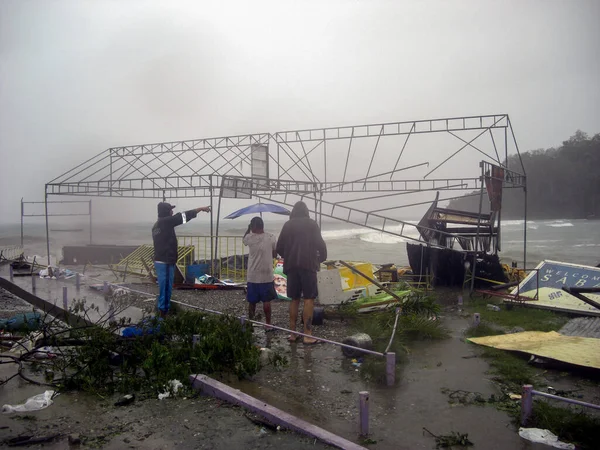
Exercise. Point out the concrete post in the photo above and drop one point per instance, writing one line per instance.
(195, 339)
(65, 299)
(526, 404)
(10, 270)
(33, 278)
(363, 398)
(105, 288)
(476, 319)
(243, 322)
(111, 313)
(390, 368)
(77, 281)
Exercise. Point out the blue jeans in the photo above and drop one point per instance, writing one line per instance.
(165, 273)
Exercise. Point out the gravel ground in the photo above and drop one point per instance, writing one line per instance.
(11, 305)
(234, 302)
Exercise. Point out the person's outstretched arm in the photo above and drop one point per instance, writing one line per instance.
(186, 216)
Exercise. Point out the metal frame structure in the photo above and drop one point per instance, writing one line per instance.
(47, 215)
(336, 168)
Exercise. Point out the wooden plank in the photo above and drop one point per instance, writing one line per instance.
(274, 415)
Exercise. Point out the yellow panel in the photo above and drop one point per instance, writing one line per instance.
(351, 280)
(581, 351)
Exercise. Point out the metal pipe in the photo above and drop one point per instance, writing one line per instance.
(525, 228)
(564, 399)
(352, 347)
(218, 273)
(65, 299)
(212, 257)
(581, 297)
(90, 212)
(482, 180)
(47, 226)
(22, 213)
(393, 330)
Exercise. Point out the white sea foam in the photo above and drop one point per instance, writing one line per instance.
(381, 238)
(330, 235)
(560, 224)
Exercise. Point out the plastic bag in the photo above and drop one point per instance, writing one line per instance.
(34, 403)
(544, 437)
(172, 387)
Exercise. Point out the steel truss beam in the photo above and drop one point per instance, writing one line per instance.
(302, 163)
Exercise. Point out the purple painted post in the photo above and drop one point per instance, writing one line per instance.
(390, 368)
(526, 403)
(65, 299)
(460, 300)
(33, 277)
(105, 288)
(476, 319)
(363, 399)
(195, 339)
(111, 313)
(10, 270)
(243, 322)
(77, 281)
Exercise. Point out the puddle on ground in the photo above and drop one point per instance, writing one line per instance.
(321, 386)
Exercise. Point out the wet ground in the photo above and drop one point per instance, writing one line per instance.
(194, 423)
(319, 385)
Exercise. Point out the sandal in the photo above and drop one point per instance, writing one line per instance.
(293, 338)
(315, 342)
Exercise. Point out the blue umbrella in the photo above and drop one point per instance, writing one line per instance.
(259, 208)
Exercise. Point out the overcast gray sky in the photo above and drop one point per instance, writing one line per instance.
(77, 77)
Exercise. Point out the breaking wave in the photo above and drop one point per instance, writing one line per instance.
(381, 238)
(560, 224)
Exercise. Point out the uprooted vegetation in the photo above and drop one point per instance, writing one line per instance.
(418, 319)
(96, 358)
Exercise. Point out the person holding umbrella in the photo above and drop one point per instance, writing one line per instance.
(165, 249)
(261, 252)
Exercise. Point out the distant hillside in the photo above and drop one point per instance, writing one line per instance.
(562, 183)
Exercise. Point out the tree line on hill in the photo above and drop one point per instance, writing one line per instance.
(562, 183)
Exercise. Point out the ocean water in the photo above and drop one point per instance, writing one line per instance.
(574, 241)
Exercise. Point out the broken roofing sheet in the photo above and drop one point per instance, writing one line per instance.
(581, 351)
(553, 275)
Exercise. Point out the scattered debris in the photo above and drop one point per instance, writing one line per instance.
(30, 440)
(581, 351)
(171, 389)
(34, 403)
(125, 400)
(544, 437)
(74, 439)
(450, 440)
(460, 397)
(262, 423)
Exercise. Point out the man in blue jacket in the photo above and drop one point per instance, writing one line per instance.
(165, 249)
